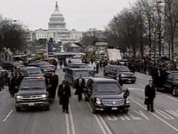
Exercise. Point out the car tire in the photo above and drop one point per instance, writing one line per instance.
(133, 82)
(94, 109)
(125, 111)
(105, 74)
(47, 108)
(86, 99)
(174, 91)
(18, 109)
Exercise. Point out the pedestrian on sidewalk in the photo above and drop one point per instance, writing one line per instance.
(150, 94)
(64, 94)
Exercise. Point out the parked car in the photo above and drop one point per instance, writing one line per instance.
(171, 83)
(106, 94)
(72, 74)
(121, 73)
(32, 93)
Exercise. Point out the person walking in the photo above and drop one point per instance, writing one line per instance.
(54, 84)
(64, 94)
(150, 94)
(80, 84)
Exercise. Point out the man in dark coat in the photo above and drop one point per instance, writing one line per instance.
(80, 84)
(54, 84)
(150, 94)
(64, 94)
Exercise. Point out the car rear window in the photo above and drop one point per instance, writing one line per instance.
(82, 73)
(124, 69)
(34, 71)
(109, 88)
(32, 84)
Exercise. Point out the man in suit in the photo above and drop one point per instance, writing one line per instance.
(54, 84)
(150, 94)
(80, 84)
(64, 94)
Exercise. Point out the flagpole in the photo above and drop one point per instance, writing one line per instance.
(47, 50)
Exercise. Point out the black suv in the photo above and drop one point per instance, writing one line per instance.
(32, 93)
(80, 66)
(171, 83)
(72, 74)
(106, 94)
(31, 72)
(121, 73)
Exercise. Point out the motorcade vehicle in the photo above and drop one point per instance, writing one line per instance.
(121, 73)
(31, 71)
(106, 94)
(32, 93)
(72, 74)
(45, 67)
(11, 66)
(81, 66)
(171, 83)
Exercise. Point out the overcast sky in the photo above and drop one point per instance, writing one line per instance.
(79, 14)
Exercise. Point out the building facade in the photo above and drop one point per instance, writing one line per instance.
(57, 29)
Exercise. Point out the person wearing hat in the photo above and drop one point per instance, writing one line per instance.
(150, 94)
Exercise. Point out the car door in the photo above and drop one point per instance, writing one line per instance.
(113, 72)
(169, 81)
(89, 88)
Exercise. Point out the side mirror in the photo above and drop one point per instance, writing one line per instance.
(126, 93)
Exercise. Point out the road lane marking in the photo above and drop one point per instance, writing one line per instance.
(112, 118)
(105, 125)
(171, 98)
(142, 114)
(71, 119)
(134, 117)
(174, 113)
(164, 114)
(67, 124)
(98, 121)
(165, 122)
(127, 118)
(7, 116)
(122, 118)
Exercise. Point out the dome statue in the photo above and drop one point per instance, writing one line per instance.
(57, 20)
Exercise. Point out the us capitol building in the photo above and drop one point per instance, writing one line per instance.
(57, 30)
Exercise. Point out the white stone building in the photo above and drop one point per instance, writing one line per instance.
(57, 29)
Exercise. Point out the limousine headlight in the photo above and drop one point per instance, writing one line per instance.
(19, 97)
(127, 101)
(44, 96)
(123, 75)
(98, 101)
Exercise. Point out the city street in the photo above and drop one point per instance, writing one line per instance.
(80, 119)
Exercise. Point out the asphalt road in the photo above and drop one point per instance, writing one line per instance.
(80, 120)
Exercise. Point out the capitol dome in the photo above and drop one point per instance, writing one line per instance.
(57, 20)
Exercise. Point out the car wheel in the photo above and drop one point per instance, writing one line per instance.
(47, 108)
(18, 109)
(86, 99)
(125, 110)
(105, 74)
(174, 91)
(94, 109)
(133, 81)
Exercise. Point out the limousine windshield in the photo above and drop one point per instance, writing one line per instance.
(82, 73)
